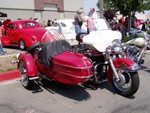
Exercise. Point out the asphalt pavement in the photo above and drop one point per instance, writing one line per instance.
(54, 97)
(10, 51)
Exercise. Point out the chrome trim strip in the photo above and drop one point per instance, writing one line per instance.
(72, 66)
(74, 75)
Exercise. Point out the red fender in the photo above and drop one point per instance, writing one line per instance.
(31, 68)
(127, 62)
(123, 61)
(5, 40)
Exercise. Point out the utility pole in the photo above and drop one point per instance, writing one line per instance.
(101, 7)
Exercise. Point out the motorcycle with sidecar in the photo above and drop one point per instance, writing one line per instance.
(96, 58)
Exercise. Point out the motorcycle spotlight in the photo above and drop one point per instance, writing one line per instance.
(117, 46)
(124, 46)
(109, 49)
(116, 42)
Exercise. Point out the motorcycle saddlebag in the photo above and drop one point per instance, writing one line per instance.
(71, 67)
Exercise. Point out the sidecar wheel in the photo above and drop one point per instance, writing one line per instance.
(128, 85)
(28, 84)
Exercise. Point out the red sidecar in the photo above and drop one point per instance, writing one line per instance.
(53, 59)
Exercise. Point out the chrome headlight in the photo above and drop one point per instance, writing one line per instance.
(116, 42)
(117, 49)
(109, 49)
(117, 46)
(124, 46)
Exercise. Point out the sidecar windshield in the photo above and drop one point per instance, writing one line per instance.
(48, 37)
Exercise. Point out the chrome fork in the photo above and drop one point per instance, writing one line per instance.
(114, 70)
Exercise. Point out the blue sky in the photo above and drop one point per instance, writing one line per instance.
(88, 4)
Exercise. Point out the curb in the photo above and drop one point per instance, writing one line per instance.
(13, 74)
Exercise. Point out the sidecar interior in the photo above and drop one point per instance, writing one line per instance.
(51, 49)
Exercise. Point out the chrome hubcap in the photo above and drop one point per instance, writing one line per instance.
(125, 81)
(24, 77)
(22, 46)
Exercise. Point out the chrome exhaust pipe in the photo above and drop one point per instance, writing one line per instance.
(34, 78)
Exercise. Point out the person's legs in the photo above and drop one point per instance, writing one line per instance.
(1, 49)
(77, 29)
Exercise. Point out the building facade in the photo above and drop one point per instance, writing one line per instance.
(41, 9)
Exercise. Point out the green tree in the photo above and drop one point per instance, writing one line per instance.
(126, 7)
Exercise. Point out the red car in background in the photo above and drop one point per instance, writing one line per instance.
(21, 33)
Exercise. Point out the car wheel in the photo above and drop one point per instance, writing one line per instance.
(22, 45)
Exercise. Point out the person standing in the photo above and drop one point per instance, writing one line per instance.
(78, 21)
(92, 13)
(90, 23)
(1, 47)
(49, 23)
(133, 21)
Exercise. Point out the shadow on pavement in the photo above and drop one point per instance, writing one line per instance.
(75, 92)
(144, 68)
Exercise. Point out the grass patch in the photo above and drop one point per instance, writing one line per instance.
(7, 69)
(6, 65)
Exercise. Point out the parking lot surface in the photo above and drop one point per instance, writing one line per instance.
(54, 97)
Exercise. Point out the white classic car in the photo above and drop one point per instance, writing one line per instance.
(67, 28)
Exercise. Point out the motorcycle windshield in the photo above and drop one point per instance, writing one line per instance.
(101, 36)
(97, 24)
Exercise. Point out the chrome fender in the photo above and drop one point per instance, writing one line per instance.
(31, 68)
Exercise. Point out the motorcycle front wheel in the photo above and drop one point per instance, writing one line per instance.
(128, 83)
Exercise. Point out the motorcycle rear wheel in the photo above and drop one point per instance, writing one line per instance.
(28, 84)
(128, 84)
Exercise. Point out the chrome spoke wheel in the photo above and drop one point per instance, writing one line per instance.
(128, 83)
(124, 83)
(24, 77)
